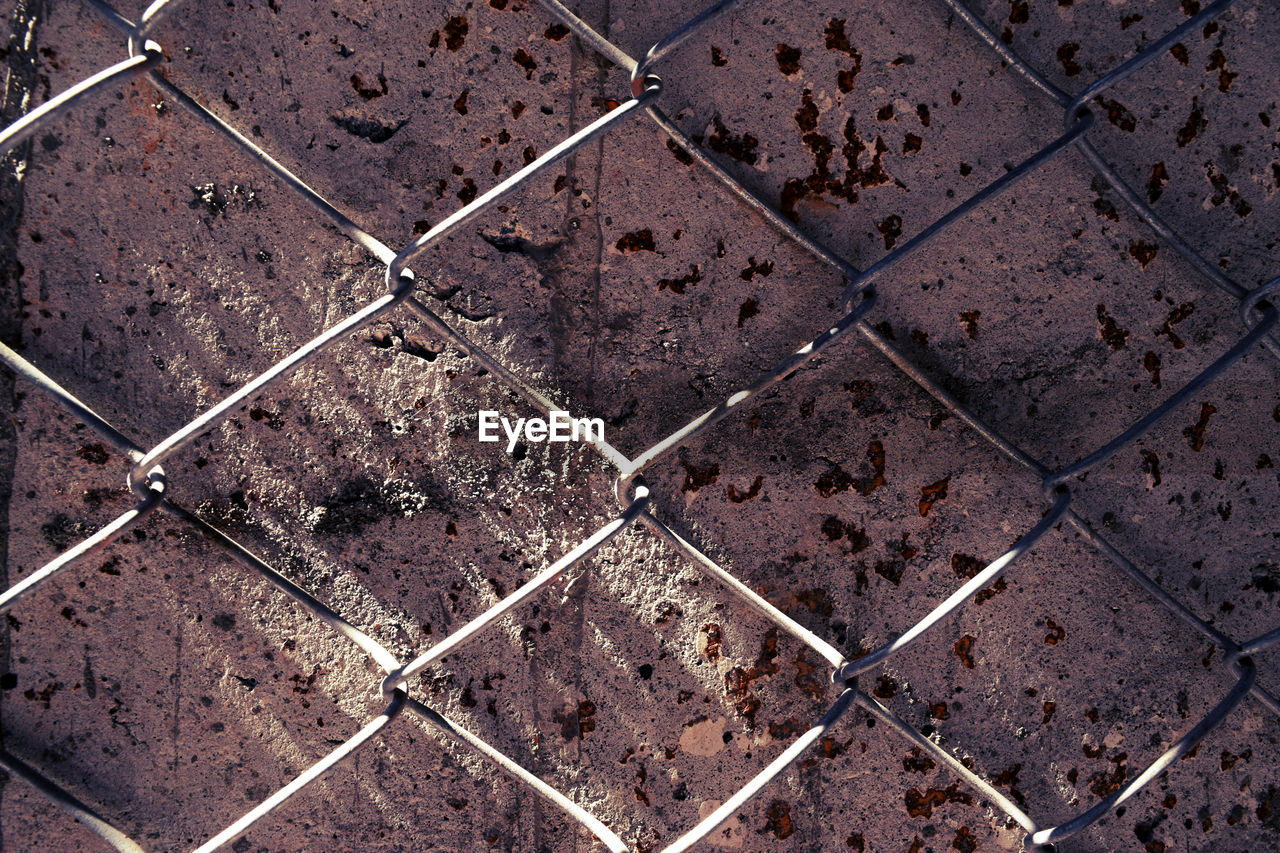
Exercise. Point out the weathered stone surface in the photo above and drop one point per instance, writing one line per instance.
(160, 268)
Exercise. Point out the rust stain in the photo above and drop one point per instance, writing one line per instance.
(1195, 433)
(1067, 56)
(763, 269)
(966, 567)
(837, 40)
(1195, 123)
(709, 639)
(886, 687)
(922, 804)
(1151, 364)
(810, 677)
(579, 722)
(876, 456)
(833, 482)
(1157, 182)
(677, 285)
(1218, 62)
(1104, 783)
(835, 529)
(963, 649)
(788, 58)
(1008, 779)
(965, 841)
(932, 493)
(1143, 252)
(1111, 332)
(455, 32)
(740, 497)
(95, 453)
(1176, 316)
(917, 762)
(890, 229)
(807, 115)
(741, 148)
(1151, 467)
(1119, 115)
(990, 592)
(778, 820)
(636, 241)
(864, 400)
(737, 681)
(522, 58)
(837, 480)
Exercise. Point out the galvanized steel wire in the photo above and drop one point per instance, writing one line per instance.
(147, 479)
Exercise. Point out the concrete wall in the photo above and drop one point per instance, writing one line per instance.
(160, 268)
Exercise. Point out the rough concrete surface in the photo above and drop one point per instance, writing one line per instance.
(160, 269)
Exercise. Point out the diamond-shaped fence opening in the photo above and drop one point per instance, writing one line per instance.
(650, 539)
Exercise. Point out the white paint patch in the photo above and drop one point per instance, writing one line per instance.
(704, 738)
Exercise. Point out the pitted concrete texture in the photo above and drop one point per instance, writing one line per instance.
(161, 268)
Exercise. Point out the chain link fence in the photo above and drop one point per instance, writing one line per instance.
(150, 486)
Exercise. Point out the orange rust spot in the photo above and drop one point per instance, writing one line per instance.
(1195, 432)
(963, 649)
(932, 493)
(778, 820)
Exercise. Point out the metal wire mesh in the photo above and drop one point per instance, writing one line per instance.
(148, 482)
